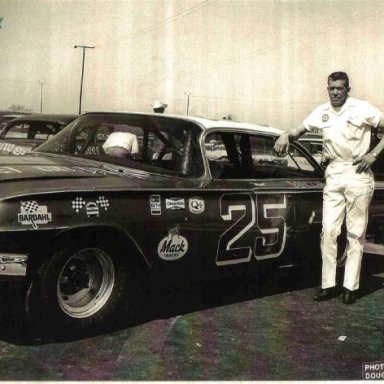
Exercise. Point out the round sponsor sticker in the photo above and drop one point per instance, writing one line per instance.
(196, 205)
(172, 247)
(325, 117)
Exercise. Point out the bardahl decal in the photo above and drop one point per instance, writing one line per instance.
(31, 213)
(172, 247)
(196, 205)
(174, 203)
(92, 208)
(155, 204)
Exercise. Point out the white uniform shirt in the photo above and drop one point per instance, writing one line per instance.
(347, 132)
(122, 139)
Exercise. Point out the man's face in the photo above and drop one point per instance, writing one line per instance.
(337, 92)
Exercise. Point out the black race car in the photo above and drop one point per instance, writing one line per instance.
(116, 203)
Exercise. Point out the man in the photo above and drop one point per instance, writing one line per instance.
(345, 124)
(159, 107)
(121, 144)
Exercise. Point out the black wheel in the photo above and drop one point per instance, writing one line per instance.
(79, 289)
(85, 283)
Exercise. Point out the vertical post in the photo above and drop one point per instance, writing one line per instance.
(41, 97)
(82, 73)
(187, 102)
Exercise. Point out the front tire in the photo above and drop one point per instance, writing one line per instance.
(85, 283)
(79, 289)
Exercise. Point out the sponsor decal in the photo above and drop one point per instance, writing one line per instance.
(196, 205)
(31, 213)
(172, 247)
(325, 117)
(92, 208)
(12, 149)
(373, 371)
(7, 147)
(174, 203)
(155, 204)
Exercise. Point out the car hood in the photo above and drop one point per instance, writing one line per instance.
(55, 167)
(38, 173)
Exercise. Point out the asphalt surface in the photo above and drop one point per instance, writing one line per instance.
(238, 328)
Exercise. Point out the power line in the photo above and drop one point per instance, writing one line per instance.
(268, 50)
(162, 23)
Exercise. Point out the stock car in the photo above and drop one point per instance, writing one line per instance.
(6, 118)
(23, 133)
(85, 229)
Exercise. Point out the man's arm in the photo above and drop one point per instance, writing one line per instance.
(282, 143)
(367, 160)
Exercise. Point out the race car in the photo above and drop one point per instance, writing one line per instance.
(22, 133)
(117, 203)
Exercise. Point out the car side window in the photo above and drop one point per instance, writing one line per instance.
(234, 155)
(18, 131)
(42, 131)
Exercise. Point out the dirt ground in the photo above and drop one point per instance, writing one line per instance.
(266, 328)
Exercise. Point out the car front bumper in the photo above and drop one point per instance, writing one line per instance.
(13, 264)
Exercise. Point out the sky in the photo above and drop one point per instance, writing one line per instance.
(260, 61)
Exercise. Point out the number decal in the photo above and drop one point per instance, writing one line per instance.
(240, 209)
(258, 227)
(272, 227)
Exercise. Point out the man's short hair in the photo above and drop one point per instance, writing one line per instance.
(339, 76)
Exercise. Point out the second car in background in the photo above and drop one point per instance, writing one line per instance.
(24, 133)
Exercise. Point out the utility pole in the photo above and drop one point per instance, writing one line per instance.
(41, 96)
(187, 94)
(82, 72)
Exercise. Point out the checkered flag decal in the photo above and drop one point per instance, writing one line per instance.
(30, 206)
(78, 203)
(103, 202)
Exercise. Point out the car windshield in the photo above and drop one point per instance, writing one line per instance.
(146, 142)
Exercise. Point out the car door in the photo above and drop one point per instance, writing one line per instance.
(266, 204)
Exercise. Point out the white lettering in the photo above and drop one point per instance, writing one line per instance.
(9, 170)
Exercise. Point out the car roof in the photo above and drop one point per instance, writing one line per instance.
(53, 118)
(203, 122)
(7, 116)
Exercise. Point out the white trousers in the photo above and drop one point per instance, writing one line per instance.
(346, 194)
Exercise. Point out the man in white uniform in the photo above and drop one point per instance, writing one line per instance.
(345, 123)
